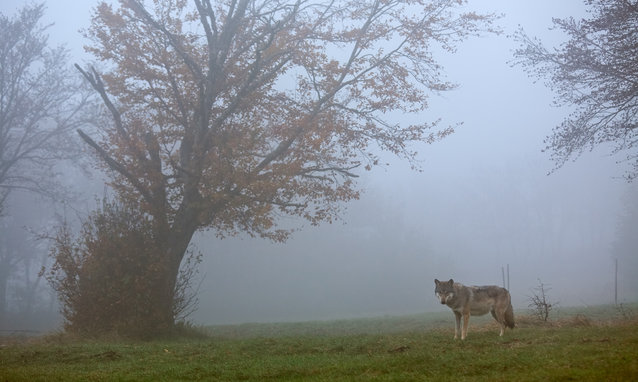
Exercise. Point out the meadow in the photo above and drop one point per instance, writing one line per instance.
(585, 344)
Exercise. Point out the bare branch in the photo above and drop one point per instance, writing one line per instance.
(595, 72)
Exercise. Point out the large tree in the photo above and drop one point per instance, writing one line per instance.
(596, 72)
(226, 115)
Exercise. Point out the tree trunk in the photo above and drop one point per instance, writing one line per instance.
(163, 285)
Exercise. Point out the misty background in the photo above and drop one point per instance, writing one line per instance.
(482, 201)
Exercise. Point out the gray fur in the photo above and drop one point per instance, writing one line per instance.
(466, 301)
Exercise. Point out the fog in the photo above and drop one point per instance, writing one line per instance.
(484, 200)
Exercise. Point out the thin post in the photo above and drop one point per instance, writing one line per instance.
(503, 274)
(616, 284)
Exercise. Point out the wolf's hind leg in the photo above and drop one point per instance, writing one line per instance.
(500, 320)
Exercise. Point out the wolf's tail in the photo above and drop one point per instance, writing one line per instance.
(509, 316)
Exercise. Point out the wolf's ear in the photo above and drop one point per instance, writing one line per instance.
(451, 282)
(436, 282)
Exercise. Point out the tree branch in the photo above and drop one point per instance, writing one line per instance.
(188, 60)
(117, 167)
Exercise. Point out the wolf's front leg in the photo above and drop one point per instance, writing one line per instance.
(466, 322)
(457, 327)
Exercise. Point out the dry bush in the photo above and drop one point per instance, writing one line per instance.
(540, 302)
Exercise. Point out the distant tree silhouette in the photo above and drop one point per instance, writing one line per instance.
(42, 102)
(625, 246)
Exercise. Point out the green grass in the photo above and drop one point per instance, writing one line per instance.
(413, 348)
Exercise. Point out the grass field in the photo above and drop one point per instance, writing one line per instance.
(596, 344)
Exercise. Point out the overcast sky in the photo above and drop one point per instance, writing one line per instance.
(482, 201)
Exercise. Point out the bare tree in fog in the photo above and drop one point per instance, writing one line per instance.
(40, 105)
(227, 115)
(596, 71)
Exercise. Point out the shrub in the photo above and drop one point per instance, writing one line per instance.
(107, 279)
(540, 302)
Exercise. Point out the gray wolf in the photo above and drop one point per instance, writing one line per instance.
(476, 301)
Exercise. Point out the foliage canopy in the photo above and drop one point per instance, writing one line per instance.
(227, 114)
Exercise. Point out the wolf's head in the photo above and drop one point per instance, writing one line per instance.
(444, 290)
